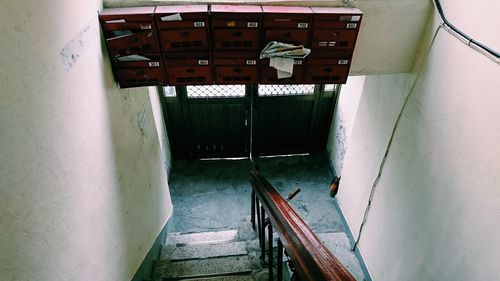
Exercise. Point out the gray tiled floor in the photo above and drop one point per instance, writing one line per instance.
(215, 195)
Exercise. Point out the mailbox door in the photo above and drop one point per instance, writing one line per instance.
(268, 74)
(135, 77)
(141, 42)
(239, 74)
(291, 36)
(333, 39)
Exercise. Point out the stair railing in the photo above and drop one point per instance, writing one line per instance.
(309, 259)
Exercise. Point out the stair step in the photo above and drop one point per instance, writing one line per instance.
(222, 278)
(203, 237)
(203, 251)
(206, 267)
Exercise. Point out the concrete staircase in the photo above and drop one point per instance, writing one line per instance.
(228, 255)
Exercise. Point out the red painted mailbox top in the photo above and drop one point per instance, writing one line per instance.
(236, 9)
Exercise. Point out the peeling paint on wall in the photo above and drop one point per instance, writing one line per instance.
(143, 119)
(340, 143)
(77, 46)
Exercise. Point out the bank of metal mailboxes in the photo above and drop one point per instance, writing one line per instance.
(220, 44)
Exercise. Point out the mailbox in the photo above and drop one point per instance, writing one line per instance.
(139, 76)
(236, 67)
(183, 28)
(335, 29)
(328, 70)
(287, 24)
(139, 70)
(236, 27)
(268, 74)
(188, 69)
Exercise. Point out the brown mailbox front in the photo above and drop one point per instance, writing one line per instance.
(327, 70)
(143, 70)
(183, 28)
(188, 69)
(236, 27)
(335, 29)
(133, 46)
(129, 31)
(268, 74)
(143, 76)
(236, 67)
(287, 24)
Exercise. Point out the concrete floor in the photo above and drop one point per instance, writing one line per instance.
(215, 194)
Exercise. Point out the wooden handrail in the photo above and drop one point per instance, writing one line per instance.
(311, 259)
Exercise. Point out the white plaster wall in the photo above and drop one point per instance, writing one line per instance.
(478, 19)
(435, 212)
(381, 99)
(343, 120)
(391, 30)
(83, 192)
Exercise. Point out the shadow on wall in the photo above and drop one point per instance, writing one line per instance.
(343, 120)
(143, 200)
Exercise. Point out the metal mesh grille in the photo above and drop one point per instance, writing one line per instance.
(169, 92)
(216, 91)
(330, 87)
(285, 90)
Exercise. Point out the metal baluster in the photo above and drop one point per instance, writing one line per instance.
(262, 235)
(259, 222)
(270, 237)
(253, 210)
(280, 260)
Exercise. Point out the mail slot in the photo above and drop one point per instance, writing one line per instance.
(183, 39)
(182, 28)
(287, 24)
(188, 69)
(236, 27)
(333, 69)
(335, 29)
(129, 30)
(236, 67)
(268, 74)
(290, 36)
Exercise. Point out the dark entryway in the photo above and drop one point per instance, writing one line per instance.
(234, 120)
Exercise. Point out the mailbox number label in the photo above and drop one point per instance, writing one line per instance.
(343, 61)
(252, 24)
(146, 26)
(352, 25)
(302, 25)
(154, 64)
(203, 62)
(251, 62)
(298, 62)
(199, 24)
